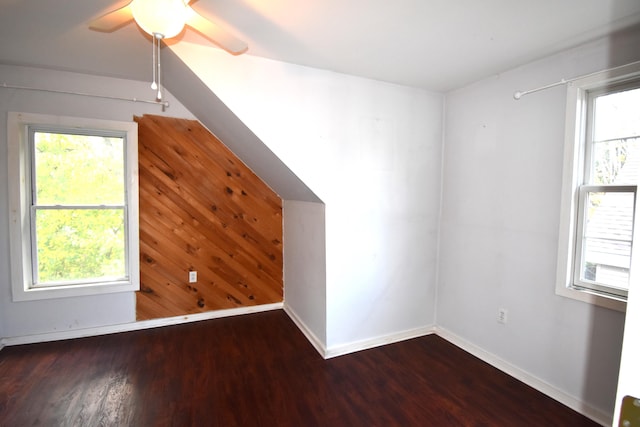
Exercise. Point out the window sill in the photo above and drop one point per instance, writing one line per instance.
(591, 297)
(34, 294)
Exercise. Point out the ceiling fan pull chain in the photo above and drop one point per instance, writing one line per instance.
(154, 85)
(159, 37)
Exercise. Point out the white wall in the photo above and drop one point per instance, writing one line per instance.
(305, 273)
(499, 229)
(38, 317)
(372, 152)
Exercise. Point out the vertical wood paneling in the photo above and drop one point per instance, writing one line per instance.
(202, 209)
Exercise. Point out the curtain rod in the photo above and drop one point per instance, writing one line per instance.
(520, 94)
(163, 104)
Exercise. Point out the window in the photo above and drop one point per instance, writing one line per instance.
(601, 177)
(74, 206)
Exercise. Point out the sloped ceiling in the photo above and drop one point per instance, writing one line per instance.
(226, 126)
(433, 44)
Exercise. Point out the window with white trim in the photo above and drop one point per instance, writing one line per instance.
(601, 177)
(74, 206)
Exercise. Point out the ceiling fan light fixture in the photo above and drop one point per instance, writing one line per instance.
(160, 17)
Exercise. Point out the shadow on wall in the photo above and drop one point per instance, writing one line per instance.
(604, 345)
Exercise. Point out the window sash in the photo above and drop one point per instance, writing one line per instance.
(35, 259)
(580, 258)
(36, 283)
(591, 97)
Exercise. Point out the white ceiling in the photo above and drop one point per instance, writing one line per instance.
(432, 44)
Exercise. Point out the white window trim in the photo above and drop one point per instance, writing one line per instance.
(573, 164)
(20, 230)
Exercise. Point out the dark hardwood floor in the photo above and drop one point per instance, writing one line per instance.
(259, 370)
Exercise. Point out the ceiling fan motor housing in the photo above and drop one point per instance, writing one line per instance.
(164, 17)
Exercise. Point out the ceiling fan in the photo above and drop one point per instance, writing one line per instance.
(165, 19)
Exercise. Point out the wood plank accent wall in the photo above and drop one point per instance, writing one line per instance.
(202, 209)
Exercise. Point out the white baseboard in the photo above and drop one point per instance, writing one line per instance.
(341, 350)
(136, 326)
(353, 347)
(311, 337)
(532, 381)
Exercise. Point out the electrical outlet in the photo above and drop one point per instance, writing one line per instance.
(502, 315)
(193, 276)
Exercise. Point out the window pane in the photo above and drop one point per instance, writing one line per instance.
(78, 169)
(609, 276)
(77, 244)
(617, 115)
(607, 238)
(616, 162)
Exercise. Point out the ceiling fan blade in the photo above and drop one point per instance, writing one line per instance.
(113, 20)
(215, 34)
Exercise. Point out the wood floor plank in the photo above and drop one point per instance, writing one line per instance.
(259, 370)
